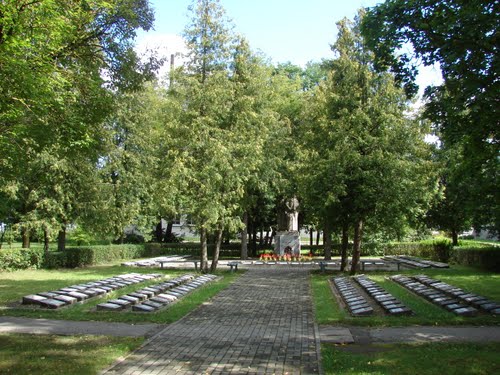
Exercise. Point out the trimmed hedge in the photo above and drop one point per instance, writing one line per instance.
(92, 255)
(191, 249)
(20, 259)
(483, 257)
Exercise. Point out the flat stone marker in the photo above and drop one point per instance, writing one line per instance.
(79, 296)
(68, 300)
(140, 296)
(108, 307)
(142, 308)
(52, 303)
(121, 302)
(161, 300)
(363, 311)
(148, 293)
(169, 297)
(33, 299)
(466, 311)
(131, 299)
(155, 305)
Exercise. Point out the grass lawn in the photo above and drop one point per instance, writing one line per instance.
(31, 354)
(15, 285)
(424, 359)
(473, 280)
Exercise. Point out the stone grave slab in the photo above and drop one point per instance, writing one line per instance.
(67, 299)
(108, 307)
(52, 303)
(33, 299)
(154, 305)
(131, 299)
(143, 308)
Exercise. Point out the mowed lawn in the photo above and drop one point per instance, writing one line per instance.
(476, 281)
(48, 354)
(76, 355)
(406, 359)
(15, 285)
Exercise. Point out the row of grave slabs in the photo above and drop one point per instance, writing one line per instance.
(360, 294)
(81, 293)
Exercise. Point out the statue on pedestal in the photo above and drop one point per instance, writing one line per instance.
(288, 235)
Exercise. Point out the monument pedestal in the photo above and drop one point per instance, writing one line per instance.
(287, 243)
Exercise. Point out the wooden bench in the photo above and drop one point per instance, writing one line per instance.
(233, 265)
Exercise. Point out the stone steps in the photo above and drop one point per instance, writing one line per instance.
(81, 292)
(390, 304)
(357, 304)
(155, 297)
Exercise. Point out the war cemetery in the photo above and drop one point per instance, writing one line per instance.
(213, 207)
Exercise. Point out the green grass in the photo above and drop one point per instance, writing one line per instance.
(31, 354)
(15, 285)
(329, 312)
(424, 359)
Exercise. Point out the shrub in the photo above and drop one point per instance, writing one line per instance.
(483, 257)
(92, 255)
(17, 259)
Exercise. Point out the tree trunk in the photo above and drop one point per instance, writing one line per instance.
(454, 237)
(261, 239)
(204, 251)
(168, 231)
(318, 234)
(356, 251)
(267, 242)
(311, 236)
(26, 237)
(254, 240)
(327, 241)
(218, 242)
(159, 231)
(46, 241)
(244, 237)
(345, 246)
(61, 239)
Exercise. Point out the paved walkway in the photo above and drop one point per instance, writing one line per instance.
(262, 324)
(67, 327)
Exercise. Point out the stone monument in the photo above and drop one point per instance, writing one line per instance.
(287, 240)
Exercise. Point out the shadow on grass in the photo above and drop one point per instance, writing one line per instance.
(30, 354)
(424, 359)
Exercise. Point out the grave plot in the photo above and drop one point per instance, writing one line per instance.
(414, 262)
(435, 296)
(390, 304)
(357, 304)
(156, 296)
(480, 302)
(81, 292)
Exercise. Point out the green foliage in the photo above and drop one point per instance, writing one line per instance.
(460, 36)
(191, 249)
(93, 255)
(485, 257)
(18, 259)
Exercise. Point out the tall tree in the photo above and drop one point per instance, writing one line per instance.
(462, 38)
(54, 96)
(372, 161)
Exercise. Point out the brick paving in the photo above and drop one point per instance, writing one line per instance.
(262, 324)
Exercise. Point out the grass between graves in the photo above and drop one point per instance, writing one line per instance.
(15, 285)
(409, 359)
(31, 354)
(483, 283)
